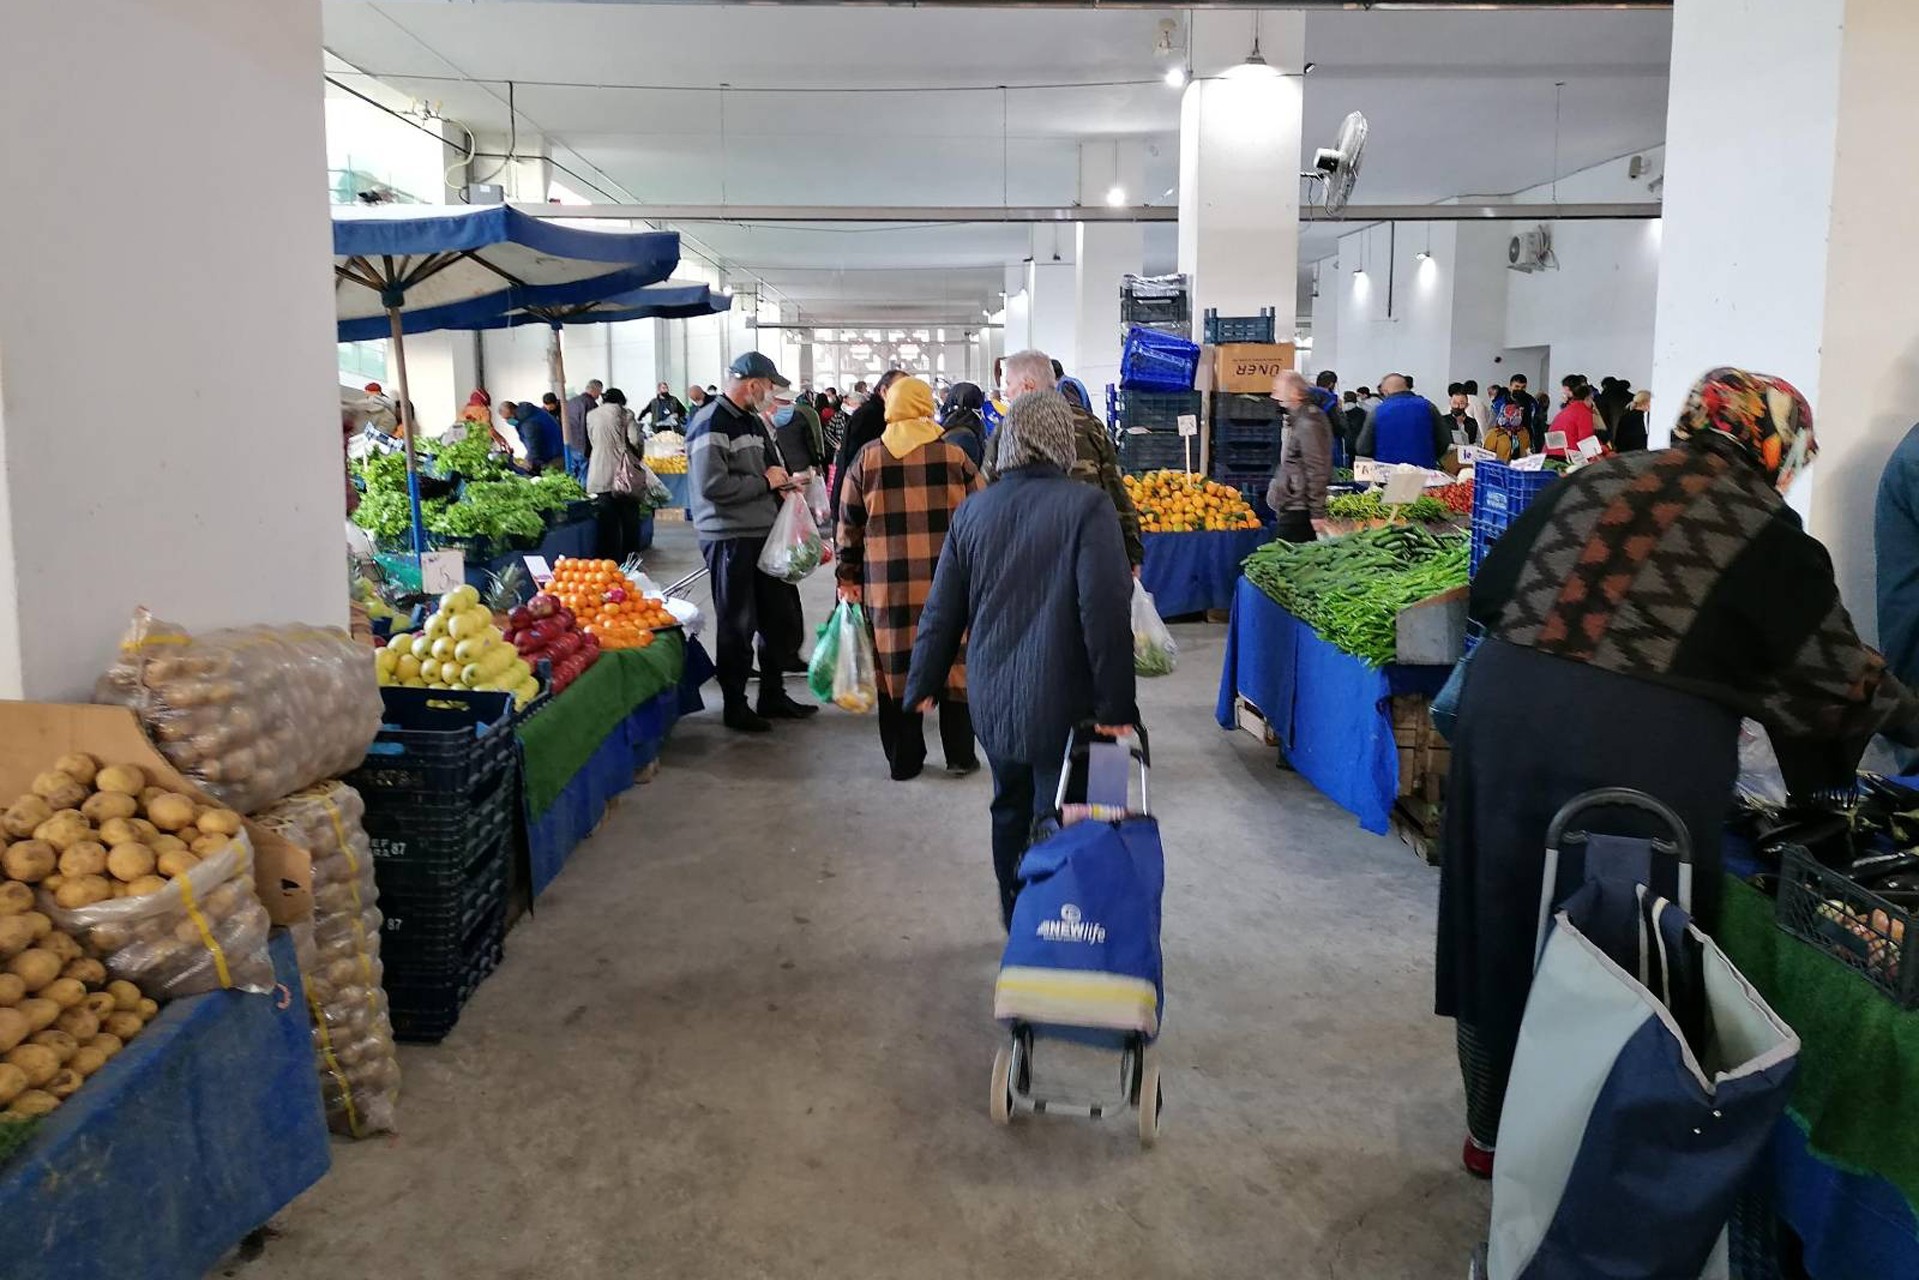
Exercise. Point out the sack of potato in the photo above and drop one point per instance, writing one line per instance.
(155, 884)
(251, 713)
(352, 1035)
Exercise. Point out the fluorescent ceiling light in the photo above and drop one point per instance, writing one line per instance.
(1176, 76)
(1116, 196)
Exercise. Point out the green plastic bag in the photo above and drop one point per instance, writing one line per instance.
(826, 653)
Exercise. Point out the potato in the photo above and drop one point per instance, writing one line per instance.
(61, 790)
(129, 862)
(39, 923)
(107, 806)
(38, 1061)
(171, 812)
(149, 794)
(65, 992)
(65, 1083)
(107, 1043)
(14, 1027)
(63, 1045)
(15, 897)
(115, 831)
(79, 766)
(144, 885)
(86, 970)
(105, 939)
(219, 822)
(125, 995)
(87, 858)
(34, 1103)
(36, 967)
(124, 1025)
(63, 946)
(167, 843)
(13, 1082)
(145, 832)
(80, 1022)
(61, 831)
(147, 1009)
(16, 935)
(12, 990)
(40, 1012)
(129, 779)
(29, 860)
(86, 1060)
(24, 814)
(207, 846)
(99, 1003)
(53, 882)
(177, 862)
(83, 891)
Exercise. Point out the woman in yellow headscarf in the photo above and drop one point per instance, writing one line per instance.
(896, 502)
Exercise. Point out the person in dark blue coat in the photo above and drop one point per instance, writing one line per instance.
(1404, 427)
(540, 433)
(1034, 574)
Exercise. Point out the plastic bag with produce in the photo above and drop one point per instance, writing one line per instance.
(794, 548)
(825, 660)
(1155, 652)
(855, 665)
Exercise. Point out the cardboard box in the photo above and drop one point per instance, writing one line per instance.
(35, 734)
(1247, 367)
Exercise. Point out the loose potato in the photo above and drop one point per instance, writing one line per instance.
(61, 790)
(16, 935)
(177, 862)
(166, 842)
(207, 846)
(87, 858)
(146, 832)
(14, 1027)
(63, 1045)
(39, 923)
(108, 1043)
(124, 1025)
(87, 970)
(24, 814)
(99, 1003)
(12, 990)
(65, 992)
(62, 830)
(38, 1061)
(13, 1082)
(36, 967)
(125, 995)
(40, 1012)
(83, 891)
(65, 1083)
(53, 882)
(79, 1022)
(15, 897)
(105, 939)
(116, 831)
(171, 812)
(79, 766)
(129, 862)
(149, 794)
(128, 779)
(34, 1102)
(107, 806)
(219, 822)
(147, 1009)
(87, 1060)
(29, 860)
(63, 946)
(144, 885)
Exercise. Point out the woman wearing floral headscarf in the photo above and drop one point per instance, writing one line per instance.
(1634, 613)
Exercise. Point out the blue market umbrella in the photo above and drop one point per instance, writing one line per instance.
(427, 268)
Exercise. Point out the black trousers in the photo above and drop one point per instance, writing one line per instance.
(618, 515)
(903, 736)
(1294, 526)
(1022, 793)
(748, 605)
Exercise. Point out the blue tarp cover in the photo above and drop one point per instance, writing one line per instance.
(1194, 572)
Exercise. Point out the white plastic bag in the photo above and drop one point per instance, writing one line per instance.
(817, 500)
(794, 548)
(855, 665)
(1155, 652)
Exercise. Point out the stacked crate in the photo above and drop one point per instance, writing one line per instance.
(1164, 303)
(1245, 433)
(1257, 328)
(1147, 423)
(441, 784)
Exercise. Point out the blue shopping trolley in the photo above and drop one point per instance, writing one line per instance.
(1082, 960)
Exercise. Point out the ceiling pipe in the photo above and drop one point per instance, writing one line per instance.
(1355, 214)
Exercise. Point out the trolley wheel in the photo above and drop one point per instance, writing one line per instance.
(999, 1104)
(1150, 1100)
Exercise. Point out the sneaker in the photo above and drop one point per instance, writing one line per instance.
(1477, 1159)
(785, 708)
(962, 770)
(745, 720)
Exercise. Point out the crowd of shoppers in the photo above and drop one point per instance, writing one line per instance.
(1399, 425)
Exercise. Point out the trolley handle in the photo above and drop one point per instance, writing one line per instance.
(1560, 833)
(1079, 745)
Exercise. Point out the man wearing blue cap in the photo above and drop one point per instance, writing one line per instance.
(735, 482)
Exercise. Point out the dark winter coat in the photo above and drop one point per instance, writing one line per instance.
(1035, 569)
(867, 424)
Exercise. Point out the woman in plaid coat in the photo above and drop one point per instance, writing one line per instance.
(896, 503)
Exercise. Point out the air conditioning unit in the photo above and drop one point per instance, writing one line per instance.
(1530, 251)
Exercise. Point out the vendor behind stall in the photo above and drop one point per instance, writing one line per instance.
(540, 433)
(1634, 613)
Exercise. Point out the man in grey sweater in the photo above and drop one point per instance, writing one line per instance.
(735, 483)
(1297, 493)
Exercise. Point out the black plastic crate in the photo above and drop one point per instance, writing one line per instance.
(1236, 406)
(1849, 922)
(425, 1011)
(1227, 431)
(428, 846)
(1158, 410)
(447, 742)
(1257, 328)
(1155, 451)
(424, 929)
(1247, 456)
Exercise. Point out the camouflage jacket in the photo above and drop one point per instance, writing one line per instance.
(1098, 464)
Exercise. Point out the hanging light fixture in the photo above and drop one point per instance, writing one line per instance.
(1255, 58)
(1176, 76)
(1116, 194)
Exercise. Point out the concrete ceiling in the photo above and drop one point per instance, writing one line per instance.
(899, 106)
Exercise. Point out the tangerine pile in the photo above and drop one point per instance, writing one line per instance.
(606, 603)
(1180, 502)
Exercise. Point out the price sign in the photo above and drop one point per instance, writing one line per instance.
(1188, 424)
(1590, 448)
(1555, 442)
(538, 570)
(1531, 462)
(1403, 485)
(441, 571)
(1365, 470)
(1472, 455)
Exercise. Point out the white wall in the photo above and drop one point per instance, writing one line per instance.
(219, 499)
(1413, 334)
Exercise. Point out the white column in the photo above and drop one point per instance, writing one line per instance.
(1103, 253)
(1789, 222)
(219, 500)
(1239, 151)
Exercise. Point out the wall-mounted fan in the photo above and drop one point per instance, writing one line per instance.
(1336, 168)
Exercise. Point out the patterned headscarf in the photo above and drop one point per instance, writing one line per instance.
(1766, 416)
(1038, 427)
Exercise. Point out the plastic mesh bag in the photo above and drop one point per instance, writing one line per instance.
(251, 713)
(205, 931)
(855, 665)
(1155, 652)
(352, 1032)
(794, 548)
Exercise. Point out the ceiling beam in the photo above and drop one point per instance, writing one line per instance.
(1480, 211)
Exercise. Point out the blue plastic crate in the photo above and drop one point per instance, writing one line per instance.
(1154, 361)
(1257, 328)
(1500, 493)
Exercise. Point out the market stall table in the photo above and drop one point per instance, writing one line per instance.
(207, 1124)
(1330, 712)
(1194, 572)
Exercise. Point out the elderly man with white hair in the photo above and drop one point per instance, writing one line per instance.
(1297, 493)
(1094, 461)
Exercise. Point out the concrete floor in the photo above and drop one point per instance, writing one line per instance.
(748, 1034)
